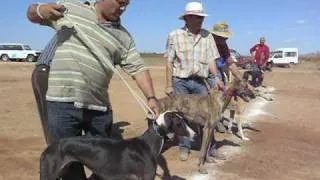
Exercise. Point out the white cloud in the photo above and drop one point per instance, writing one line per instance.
(301, 21)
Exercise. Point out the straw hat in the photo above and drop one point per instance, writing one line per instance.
(194, 8)
(221, 29)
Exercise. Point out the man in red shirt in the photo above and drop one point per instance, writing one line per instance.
(261, 54)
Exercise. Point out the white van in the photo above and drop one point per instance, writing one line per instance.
(17, 52)
(284, 56)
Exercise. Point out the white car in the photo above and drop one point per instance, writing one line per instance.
(17, 52)
(284, 56)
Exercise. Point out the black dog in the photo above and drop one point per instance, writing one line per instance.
(132, 159)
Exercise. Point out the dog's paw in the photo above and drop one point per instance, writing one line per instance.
(203, 170)
(210, 160)
(245, 138)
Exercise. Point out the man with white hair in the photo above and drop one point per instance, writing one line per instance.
(191, 53)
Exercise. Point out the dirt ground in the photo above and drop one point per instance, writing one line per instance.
(283, 146)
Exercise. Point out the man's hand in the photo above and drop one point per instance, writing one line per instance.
(248, 85)
(169, 90)
(51, 12)
(154, 106)
(219, 83)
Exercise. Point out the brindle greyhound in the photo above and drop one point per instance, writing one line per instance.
(204, 110)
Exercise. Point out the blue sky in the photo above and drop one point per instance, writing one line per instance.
(284, 23)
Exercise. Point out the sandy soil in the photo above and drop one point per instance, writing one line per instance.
(285, 146)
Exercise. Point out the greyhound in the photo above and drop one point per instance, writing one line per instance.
(237, 106)
(132, 159)
(204, 110)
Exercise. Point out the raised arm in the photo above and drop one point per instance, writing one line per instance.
(45, 14)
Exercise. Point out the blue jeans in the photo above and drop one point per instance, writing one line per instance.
(189, 86)
(65, 120)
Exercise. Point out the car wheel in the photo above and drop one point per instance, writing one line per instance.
(30, 58)
(4, 57)
(248, 66)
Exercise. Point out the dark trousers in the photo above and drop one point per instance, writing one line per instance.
(257, 76)
(39, 80)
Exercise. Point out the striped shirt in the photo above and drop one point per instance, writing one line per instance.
(191, 56)
(77, 74)
(48, 52)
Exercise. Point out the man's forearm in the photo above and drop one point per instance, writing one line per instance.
(233, 68)
(235, 71)
(169, 73)
(144, 82)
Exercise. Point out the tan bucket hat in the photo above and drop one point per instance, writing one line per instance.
(221, 29)
(194, 8)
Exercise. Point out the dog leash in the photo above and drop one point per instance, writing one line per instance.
(101, 56)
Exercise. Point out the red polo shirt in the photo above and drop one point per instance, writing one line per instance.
(261, 53)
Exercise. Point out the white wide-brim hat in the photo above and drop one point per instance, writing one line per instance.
(194, 8)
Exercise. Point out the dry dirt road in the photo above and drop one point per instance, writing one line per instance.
(286, 147)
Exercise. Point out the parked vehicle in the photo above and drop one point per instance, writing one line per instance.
(245, 62)
(284, 57)
(17, 52)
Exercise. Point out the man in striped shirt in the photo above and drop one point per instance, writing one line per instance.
(77, 96)
(191, 52)
(39, 81)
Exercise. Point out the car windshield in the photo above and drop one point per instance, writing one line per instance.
(276, 53)
(10, 47)
(26, 47)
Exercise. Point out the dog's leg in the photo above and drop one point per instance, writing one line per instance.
(203, 150)
(205, 146)
(240, 129)
(50, 163)
(231, 119)
(44, 164)
(53, 165)
(239, 117)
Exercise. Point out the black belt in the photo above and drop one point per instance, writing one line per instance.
(191, 78)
